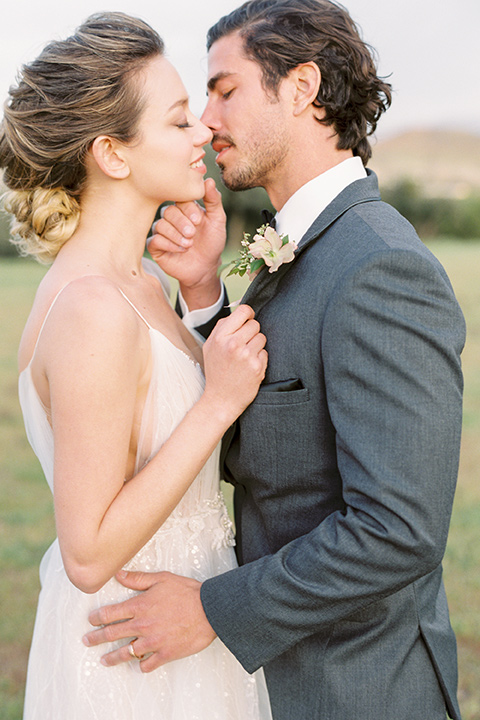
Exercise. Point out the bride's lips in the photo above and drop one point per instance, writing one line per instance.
(199, 165)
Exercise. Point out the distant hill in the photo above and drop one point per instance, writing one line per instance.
(443, 163)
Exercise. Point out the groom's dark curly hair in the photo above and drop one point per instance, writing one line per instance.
(281, 34)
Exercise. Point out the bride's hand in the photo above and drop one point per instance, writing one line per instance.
(235, 362)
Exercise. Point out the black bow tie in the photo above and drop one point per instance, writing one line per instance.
(269, 218)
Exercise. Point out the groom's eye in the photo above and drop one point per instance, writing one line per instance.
(227, 94)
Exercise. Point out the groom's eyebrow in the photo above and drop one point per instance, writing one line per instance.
(212, 83)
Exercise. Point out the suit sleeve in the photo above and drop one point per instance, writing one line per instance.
(390, 348)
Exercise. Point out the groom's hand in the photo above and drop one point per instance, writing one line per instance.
(187, 244)
(167, 619)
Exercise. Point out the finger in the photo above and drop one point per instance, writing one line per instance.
(121, 655)
(230, 324)
(257, 343)
(175, 225)
(263, 357)
(110, 633)
(159, 245)
(152, 662)
(184, 217)
(143, 652)
(192, 210)
(247, 332)
(212, 198)
(139, 580)
(112, 613)
(262, 360)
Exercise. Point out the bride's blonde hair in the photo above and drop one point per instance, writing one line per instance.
(75, 90)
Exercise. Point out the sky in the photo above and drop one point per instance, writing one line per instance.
(430, 49)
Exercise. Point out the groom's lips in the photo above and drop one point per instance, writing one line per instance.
(221, 147)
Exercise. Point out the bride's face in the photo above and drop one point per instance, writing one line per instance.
(166, 158)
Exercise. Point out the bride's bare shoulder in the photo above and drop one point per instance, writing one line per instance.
(73, 308)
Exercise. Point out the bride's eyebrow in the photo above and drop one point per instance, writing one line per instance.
(178, 103)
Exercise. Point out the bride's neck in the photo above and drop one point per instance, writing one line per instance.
(113, 228)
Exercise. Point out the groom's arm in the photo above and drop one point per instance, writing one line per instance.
(391, 345)
(187, 244)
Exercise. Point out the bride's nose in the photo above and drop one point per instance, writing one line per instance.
(204, 135)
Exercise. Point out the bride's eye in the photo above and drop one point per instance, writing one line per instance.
(184, 125)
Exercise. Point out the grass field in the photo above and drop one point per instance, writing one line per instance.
(26, 522)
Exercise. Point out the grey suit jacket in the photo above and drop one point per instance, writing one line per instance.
(345, 468)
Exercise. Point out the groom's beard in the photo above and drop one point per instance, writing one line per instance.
(254, 165)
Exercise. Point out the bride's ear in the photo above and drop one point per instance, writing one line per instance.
(109, 157)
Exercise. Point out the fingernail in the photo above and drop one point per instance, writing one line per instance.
(123, 573)
(195, 218)
(186, 242)
(86, 641)
(188, 231)
(104, 662)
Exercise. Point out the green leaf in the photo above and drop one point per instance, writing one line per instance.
(256, 265)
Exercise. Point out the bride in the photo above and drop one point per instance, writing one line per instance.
(123, 409)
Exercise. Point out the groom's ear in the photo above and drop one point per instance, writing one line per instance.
(306, 79)
(110, 158)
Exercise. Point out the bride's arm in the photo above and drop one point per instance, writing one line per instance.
(94, 352)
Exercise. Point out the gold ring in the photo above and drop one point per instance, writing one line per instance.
(132, 652)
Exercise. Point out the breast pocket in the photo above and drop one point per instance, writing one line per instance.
(282, 392)
(273, 441)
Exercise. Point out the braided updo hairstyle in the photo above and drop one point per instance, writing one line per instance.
(76, 90)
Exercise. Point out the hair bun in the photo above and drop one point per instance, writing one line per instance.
(44, 219)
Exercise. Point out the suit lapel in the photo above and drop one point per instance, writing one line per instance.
(264, 286)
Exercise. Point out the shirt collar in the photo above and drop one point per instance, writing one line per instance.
(302, 209)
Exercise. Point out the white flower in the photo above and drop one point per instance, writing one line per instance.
(267, 248)
(272, 250)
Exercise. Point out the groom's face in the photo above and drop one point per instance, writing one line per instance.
(250, 130)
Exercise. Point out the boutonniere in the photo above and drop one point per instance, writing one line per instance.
(266, 248)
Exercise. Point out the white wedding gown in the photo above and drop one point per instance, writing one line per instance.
(65, 679)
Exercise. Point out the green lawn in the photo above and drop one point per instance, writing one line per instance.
(26, 522)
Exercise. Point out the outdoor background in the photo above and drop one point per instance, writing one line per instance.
(427, 156)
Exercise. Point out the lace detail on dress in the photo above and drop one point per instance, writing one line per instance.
(194, 522)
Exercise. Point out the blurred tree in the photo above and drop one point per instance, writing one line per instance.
(434, 217)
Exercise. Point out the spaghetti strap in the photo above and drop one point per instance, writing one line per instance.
(136, 309)
(46, 318)
(55, 300)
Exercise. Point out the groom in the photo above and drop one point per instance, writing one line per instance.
(345, 464)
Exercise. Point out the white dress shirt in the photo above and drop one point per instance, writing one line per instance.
(303, 208)
(294, 219)
(195, 318)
